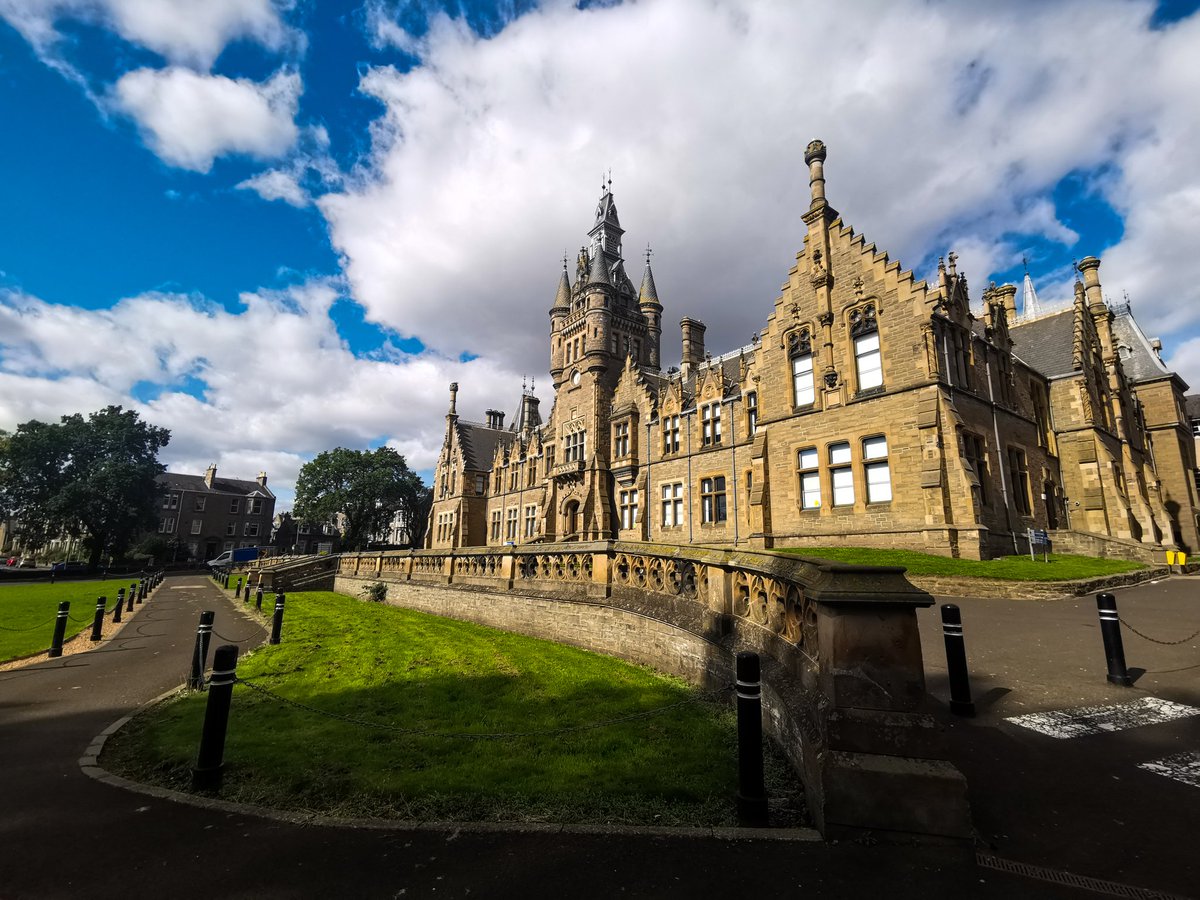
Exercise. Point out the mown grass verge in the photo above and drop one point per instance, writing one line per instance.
(393, 667)
(1060, 567)
(28, 611)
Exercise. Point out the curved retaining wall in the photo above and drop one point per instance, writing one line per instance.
(843, 679)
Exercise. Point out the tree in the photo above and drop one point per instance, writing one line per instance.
(91, 478)
(364, 487)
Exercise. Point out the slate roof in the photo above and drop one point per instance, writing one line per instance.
(1192, 403)
(479, 443)
(1138, 358)
(648, 293)
(1047, 344)
(175, 481)
(598, 273)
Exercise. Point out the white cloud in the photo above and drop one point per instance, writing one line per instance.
(189, 119)
(277, 184)
(188, 32)
(279, 385)
(946, 128)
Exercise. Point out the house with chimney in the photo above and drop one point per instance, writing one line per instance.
(207, 515)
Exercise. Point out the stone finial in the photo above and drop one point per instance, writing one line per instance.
(815, 150)
(453, 398)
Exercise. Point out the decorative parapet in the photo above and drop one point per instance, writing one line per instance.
(844, 684)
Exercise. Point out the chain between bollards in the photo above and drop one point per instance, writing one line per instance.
(961, 703)
(1110, 630)
(752, 792)
(60, 629)
(277, 619)
(206, 776)
(200, 650)
(98, 621)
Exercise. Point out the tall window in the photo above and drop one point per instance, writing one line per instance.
(510, 526)
(254, 506)
(200, 503)
(710, 424)
(512, 477)
(621, 439)
(841, 476)
(251, 530)
(531, 520)
(810, 478)
(230, 529)
(876, 472)
(670, 431)
(197, 524)
(495, 524)
(712, 500)
(973, 453)
(629, 508)
(235, 505)
(802, 380)
(167, 525)
(672, 504)
(170, 501)
(751, 413)
(1019, 475)
(868, 365)
(574, 446)
(481, 484)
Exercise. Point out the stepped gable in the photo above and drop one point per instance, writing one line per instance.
(1046, 344)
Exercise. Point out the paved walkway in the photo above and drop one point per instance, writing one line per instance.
(63, 834)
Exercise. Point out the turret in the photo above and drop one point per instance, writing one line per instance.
(1007, 294)
(558, 317)
(652, 311)
(597, 336)
(1090, 268)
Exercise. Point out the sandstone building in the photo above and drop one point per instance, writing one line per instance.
(874, 409)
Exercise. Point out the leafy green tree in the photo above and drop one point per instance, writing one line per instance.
(91, 478)
(364, 487)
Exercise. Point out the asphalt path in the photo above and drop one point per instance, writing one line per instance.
(65, 834)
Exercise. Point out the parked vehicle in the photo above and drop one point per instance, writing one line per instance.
(233, 557)
(69, 567)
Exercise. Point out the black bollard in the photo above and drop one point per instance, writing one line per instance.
(200, 651)
(60, 629)
(258, 598)
(277, 621)
(120, 605)
(237, 592)
(132, 596)
(752, 793)
(1114, 649)
(227, 576)
(206, 776)
(98, 622)
(141, 598)
(961, 703)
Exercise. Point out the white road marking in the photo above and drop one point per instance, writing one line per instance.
(1183, 767)
(1087, 720)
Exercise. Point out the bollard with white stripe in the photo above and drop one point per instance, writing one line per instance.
(98, 622)
(206, 776)
(961, 703)
(200, 651)
(752, 792)
(277, 621)
(258, 592)
(132, 596)
(1114, 649)
(237, 592)
(117, 610)
(60, 629)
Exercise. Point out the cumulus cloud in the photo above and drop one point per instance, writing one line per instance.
(189, 119)
(183, 31)
(947, 129)
(276, 383)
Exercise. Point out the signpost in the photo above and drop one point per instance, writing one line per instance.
(1038, 536)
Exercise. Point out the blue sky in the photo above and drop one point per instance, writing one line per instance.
(275, 227)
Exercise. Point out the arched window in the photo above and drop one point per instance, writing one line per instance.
(868, 365)
(800, 350)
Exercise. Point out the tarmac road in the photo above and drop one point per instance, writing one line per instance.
(64, 834)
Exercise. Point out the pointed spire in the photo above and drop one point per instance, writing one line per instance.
(562, 300)
(649, 293)
(1031, 308)
(598, 272)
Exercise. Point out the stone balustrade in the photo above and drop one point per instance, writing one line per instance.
(843, 678)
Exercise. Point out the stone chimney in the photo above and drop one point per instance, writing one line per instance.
(453, 398)
(1008, 294)
(210, 475)
(693, 343)
(495, 419)
(262, 479)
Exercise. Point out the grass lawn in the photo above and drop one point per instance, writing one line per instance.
(27, 612)
(1011, 568)
(393, 667)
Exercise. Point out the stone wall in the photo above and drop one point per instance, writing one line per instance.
(843, 678)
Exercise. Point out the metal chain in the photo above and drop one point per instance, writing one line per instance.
(1156, 640)
(34, 628)
(476, 736)
(218, 634)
